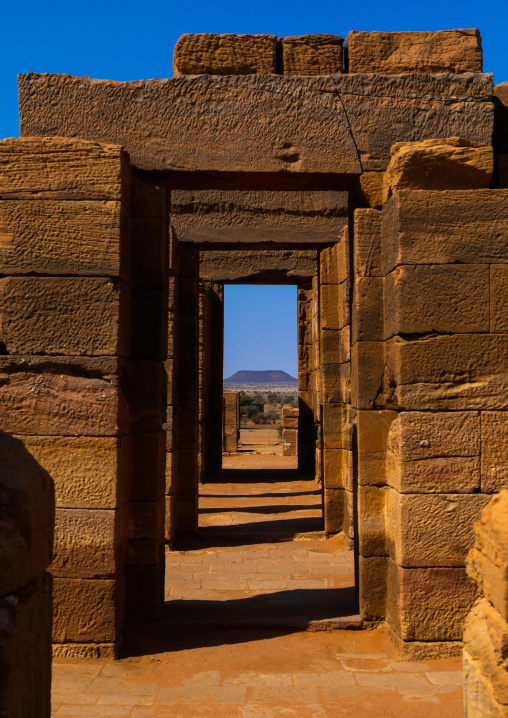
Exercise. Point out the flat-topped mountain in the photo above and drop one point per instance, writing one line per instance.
(269, 376)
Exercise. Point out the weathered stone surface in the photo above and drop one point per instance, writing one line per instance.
(88, 543)
(63, 315)
(81, 396)
(384, 109)
(372, 587)
(335, 510)
(395, 52)
(434, 453)
(254, 123)
(436, 298)
(272, 266)
(428, 604)
(63, 237)
(426, 227)
(25, 651)
(28, 511)
(373, 429)
(371, 520)
(336, 345)
(145, 532)
(498, 298)
(368, 310)
(312, 54)
(368, 364)
(209, 216)
(63, 168)
(501, 118)
(494, 456)
(368, 260)
(431, 530)
(452, 163)
(337, 469)
(450, 372)
(334, 305)
(370, 192)
(488, 560)
(207, 53)
(87, 610)
(486, 677)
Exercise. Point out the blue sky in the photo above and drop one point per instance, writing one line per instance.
(131, 40)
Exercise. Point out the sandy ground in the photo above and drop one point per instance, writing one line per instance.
(246, 630)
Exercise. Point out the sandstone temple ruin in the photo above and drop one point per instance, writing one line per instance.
(374, 177)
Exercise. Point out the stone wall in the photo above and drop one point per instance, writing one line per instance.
(84, 385)
(486, 629)
(231, 422)
(429, 338)
(289, 431)
(27, 517)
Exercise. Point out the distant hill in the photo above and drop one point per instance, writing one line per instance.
(271, 376)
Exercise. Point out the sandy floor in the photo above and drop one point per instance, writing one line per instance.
(246, 630)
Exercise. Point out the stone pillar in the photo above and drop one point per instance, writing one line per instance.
(185, 480)
(289, 431)
(486, 628)
(430, 361)
(306, 426)
(214, 447)
(231, 422)
(335, 369)
(27, 518)
(84, 385)
(205, 312)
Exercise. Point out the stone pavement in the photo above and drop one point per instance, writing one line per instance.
(246, 627)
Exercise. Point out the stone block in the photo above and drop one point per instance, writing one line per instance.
(248, 216)
(143, 464)
(85, 470)
(501, 118)
(291, 422)
(488, 561)
(145, 592)
(368, 260)
(336, 383)
(494, 458)
(148, 253)
(440, 298)
(145, 532)
(368, 366)
(449, 372)
(63, 168)
(432, 529)
(419, 435)
(498, 298)
(25, 651)
(338, 469)
(336, 345)
(434, 476)
(87, 610)
(334, 305)
(428, 604)
(207, 53)
(371, 189)
(312, 54)
(448, 227)
(255, 123)
(372, 587)
(335, 510)
(88, 543)
(63, 315)
(446, 105)
(485, 641)
(368, 310)
(64, 237)
(391, 53)
(272, 266)
(372, 435)
(451, 163)
(372, 507)
(334, 419)
(26, 529)
(149, 196)
(80, 396)
(329, 265)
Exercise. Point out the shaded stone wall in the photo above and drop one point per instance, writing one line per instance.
(27, 517)
(486, 629)
(230, 422)
(84, 384)
(429, 383)
(290, 431)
